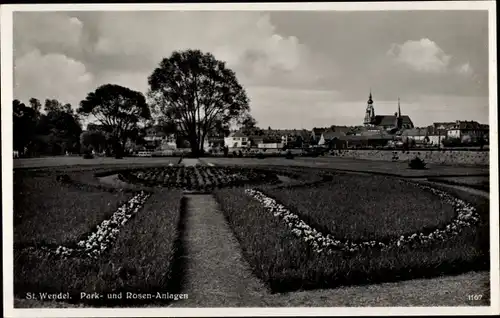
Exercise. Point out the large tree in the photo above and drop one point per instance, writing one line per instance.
(198, 93)
(118, 110)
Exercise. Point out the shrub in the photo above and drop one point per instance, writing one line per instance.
(260, 155)
(289, 155)
(88, 155)
(417, 163)
(240, 154)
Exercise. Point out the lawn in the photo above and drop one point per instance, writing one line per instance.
(357, 207)
(480, 183)
(288, 263)
(144, 257)
(52, 212)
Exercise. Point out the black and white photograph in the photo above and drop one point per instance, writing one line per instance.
(250, 159)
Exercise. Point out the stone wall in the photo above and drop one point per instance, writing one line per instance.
(448, 157)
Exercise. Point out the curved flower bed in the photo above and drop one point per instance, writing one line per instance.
(101, 239)
(466, 216)
(199, 178)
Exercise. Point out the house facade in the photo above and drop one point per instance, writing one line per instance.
(419, 135)
(468, 130)
(159, 140)
(236, 140)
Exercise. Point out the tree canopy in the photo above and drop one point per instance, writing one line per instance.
(118, 110)
(54, 132)
(198, 93)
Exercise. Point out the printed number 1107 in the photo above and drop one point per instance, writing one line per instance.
(474, 297)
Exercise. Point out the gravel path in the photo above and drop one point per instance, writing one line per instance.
(216, 274)
(188, 162)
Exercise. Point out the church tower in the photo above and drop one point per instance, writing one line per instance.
(370, 111)
(399, 119)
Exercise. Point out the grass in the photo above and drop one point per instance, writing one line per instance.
(51, 212)
(144, 258)
(480, 183)
(287, 263)
(365, 207)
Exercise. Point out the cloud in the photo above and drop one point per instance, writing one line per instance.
(53, 32)
(247, 41)
(50, 76)
(465, 69)
(422, 56)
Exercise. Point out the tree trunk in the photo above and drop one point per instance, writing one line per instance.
(118, 149)
(195, 149)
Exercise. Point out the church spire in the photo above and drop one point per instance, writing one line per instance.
(370, 112)
(399, 108)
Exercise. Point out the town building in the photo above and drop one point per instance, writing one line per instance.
(156, 139)
(468, 130)
(417, 135)
(236, 140)
(330, 137)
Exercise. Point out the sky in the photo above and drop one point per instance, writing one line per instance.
(300, 69)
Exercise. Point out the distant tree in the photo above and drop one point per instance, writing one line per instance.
(118, 110)
(197, 91)
(52, 105)
(24, 124)
(93, 140)
(67, 108)
(62, 128)
(36, 106)
(482, 142)
(248, 124)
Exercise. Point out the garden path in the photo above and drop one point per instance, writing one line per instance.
(216, 273)
(190, 162)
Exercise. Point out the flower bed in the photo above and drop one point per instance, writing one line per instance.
(50, 212)
(287, 262)
(143, 257)
(466, 216)
(365, 208)
(105, 234)
(200, 178)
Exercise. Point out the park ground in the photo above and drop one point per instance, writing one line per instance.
(215, 281)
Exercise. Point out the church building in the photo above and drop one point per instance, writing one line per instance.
(386, 122)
